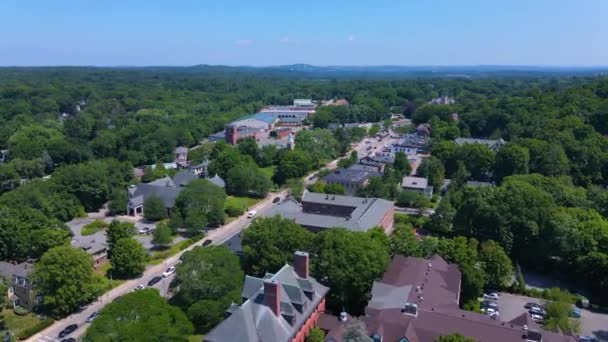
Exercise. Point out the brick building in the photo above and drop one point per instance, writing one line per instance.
(280, 307)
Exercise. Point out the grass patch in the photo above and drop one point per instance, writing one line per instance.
(269, 171)
(159, 256)
(195, 338)
(94, 227)
(242, 202)
(24, 326)
(107, 284)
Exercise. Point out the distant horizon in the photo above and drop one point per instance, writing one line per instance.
(540, 66)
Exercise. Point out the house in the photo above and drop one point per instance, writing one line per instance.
(444, 100)
(417, 184)
(95, 246)
(318, 211)
(374, 163)
(493, 145)
(423, 130)
(417, 301)
(166, 188)
(351, 179)
(17, 277)
(181, 156)
(200, 169)
(302, 103)
(279, 307)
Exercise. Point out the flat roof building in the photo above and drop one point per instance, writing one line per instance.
(417, 184)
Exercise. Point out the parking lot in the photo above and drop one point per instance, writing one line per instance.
(592, 324)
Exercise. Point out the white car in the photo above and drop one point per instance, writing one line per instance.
(251, 214)
(536, 317)
(169, 271)
(492, 296)
(145, 230)
(490, 311)
(139, 287)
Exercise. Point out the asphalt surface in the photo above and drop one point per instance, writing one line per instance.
(219, 236)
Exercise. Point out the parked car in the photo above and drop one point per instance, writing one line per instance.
(251, 214)
(92, 316)
(489, 304)
(537, 311)
(491, 311)
(206, 243)
(68, 330)
(69, 339)
(276, 200)
(145, 231)
(169, 271)
(536, 317)
(139, 287)
(531, 305)
(575, 313)
(491, 296)
(154, 280)
(587, 339)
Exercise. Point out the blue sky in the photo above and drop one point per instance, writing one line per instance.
(328, 32)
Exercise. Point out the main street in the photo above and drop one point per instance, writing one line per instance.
(218, 237)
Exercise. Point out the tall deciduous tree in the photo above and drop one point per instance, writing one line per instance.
(293, 164)
(65, 277)
(128, 258)
(433, 170)
(199, 205)
(118, 231)
(154, 209)
(496, 264)
(510, 160)
(162, 235)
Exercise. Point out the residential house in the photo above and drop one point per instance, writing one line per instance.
(423, 130)
(417, 301)
(374, 163)
(95, 246)
(417, 184)
(166, 188)
(318, 211)
(181, 156)
(351, 179)
(444, 100)
(493, 145)
(279, 307)
(200, 169)
(17, 277)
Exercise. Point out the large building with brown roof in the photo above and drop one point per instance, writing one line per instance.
(417, 301)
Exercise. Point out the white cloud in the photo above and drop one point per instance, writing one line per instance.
(243, 42)
(351, 38)
(284, 40)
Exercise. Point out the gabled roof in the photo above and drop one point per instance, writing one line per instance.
(22, 270)
(217, 181)
(253, 321)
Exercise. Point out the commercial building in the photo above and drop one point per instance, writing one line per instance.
(166, 188)
(352, 179)
(318, 211)
(417, 184)
(417, 301)
(279, 307)
(252, 126)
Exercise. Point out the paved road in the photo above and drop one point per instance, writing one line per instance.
(219, 236)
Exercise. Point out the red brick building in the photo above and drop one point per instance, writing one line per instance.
(280, 307)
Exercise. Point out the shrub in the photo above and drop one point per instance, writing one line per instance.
(94, 227)
(234, 209)
(21, 311)
(27, 332)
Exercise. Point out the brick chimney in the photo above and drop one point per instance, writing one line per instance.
(272, 297)
(301, 264)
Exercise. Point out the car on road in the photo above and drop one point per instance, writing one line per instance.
(169, 271)
(145, 231)
(575, 313)
(276, 200)
(206, 243)
(92, 316)
(587, 339)
(154, 280)
(139, 287)
(491, 296)
(69, 339)
(68, 330)
(251, 214)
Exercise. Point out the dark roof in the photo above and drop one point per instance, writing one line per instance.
(434, 286)
(22, 270)
(350, 176)
(253, 321)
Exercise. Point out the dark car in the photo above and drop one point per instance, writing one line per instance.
(276, 200)
(533, 305)
(69, 339)
(207, 242)
(92, 317)
(154, 280)
(68, 330)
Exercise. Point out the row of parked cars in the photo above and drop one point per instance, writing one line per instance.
(489, 305)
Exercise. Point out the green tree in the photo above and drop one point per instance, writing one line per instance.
(296, 188)
(496, 264)
(432, 169)
(248, 147)
(403, 241)
(442, 220)
(118, 231)
(511, 159)
(401, 164)
(320, 144)
(349, 262)
(248, 182)
(270, 242)
(128, 258)
(199, 205)
(315, 335)
(375, 129)
(454, 338)
(65, 277)
(557, 318)
(162, 235)
(293, 164)
(210, 279)
(154, 209)
(88, 182)
(138, 314)
(334, 188)
(478, 160)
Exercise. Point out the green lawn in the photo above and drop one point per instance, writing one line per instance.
(24, 326)
(195, 338)
(269, 171)
(243, 202)
(94, 227)
(158, 256)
